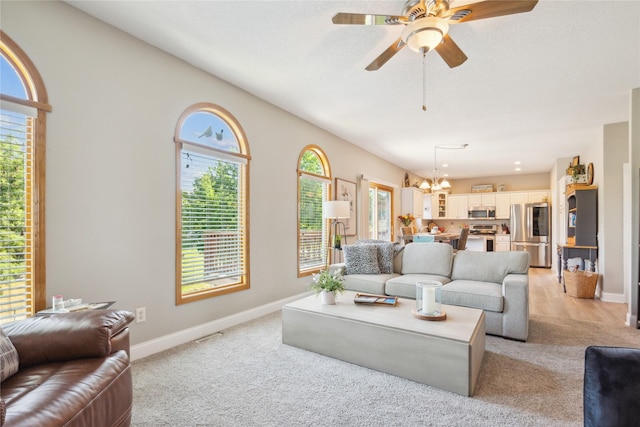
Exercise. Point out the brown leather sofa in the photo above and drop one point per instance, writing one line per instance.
(74, 370)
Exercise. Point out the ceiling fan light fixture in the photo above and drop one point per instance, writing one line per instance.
(424, 34)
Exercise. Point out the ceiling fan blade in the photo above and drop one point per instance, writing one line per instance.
(367, 19)
(450, 52)
(488, 9)
(386, 55)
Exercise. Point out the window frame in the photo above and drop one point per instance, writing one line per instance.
(243, 156)
(325, 223)
(36, 98)
(376, 186)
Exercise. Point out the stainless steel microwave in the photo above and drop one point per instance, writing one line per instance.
(482, 212)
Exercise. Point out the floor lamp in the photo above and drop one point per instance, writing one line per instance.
(335, 210)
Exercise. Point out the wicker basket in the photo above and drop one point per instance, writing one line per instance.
(580, 283)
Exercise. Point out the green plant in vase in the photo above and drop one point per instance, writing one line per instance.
(327, 283)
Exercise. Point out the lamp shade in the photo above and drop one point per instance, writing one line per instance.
(336, 209)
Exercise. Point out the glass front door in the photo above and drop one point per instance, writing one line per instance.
(380, 212)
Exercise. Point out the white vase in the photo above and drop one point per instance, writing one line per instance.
(328, 297)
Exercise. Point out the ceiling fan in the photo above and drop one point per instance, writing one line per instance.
(427, 23)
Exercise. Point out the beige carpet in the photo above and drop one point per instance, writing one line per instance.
(247, 377)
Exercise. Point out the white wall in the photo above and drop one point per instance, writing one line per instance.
(111, 173)
(615, 153)
(634, 226)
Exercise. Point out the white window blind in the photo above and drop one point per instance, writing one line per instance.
(16, 216)
(212, 220)
(313, 231)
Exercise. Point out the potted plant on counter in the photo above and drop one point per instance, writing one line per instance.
(327, 283)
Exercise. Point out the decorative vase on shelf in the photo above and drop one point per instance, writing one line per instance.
(328, 297)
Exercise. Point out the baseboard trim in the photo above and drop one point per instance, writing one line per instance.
(610, 297)
(156, 345)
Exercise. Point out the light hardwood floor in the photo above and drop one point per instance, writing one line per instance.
(546, 297)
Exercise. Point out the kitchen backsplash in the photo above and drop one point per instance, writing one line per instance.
(455, 225)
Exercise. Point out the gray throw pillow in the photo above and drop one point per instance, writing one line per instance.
(386, 252)
(361, 259)
(8, 357)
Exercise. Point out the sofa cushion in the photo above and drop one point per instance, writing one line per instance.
(361, 259)
(488, 266)
(8, 357)
(367, 283)
(474, 294)
(405, 286)
(427, 258)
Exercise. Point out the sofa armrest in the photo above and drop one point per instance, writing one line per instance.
(338, 267)
(61, 337)
(515, 320)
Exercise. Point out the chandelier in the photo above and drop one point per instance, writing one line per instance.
(439, 182)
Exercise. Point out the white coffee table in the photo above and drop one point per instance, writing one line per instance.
(445, 354)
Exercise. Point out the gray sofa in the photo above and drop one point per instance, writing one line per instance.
(496, 282)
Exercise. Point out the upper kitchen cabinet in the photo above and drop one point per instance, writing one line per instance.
(503, 205)
(427, 212)
(538, 197)
(517, 198)
(412, 201)
(457, 206)
(481, 199)
(439, 202)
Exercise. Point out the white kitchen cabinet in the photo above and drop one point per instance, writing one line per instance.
(517, 198)
(481, 199)
(538, 196)
(457, 206)
(503, 242)
(427, 211)
(412, 201)
(503, 206)
(439, 202)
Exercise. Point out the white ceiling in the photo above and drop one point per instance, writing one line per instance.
(537, 86)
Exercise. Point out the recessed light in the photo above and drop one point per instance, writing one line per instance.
(516, 163)
(518, 169)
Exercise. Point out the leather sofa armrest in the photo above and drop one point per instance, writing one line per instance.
(61, 337)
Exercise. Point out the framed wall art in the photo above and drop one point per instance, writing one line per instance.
(346, 190)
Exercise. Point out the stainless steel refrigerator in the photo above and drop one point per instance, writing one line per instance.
(531, 232)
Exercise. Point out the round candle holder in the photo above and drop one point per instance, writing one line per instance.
(429, 301)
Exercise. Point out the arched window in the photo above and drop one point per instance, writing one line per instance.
(314, 187)
(23, 109)
(212, 160)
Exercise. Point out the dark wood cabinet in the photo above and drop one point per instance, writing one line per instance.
(582, 217)
(582, 228)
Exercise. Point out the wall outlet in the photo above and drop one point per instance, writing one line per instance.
(141, 315)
